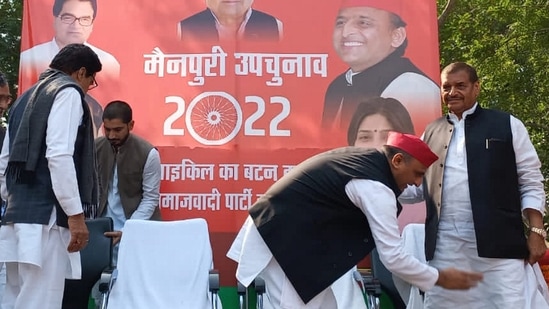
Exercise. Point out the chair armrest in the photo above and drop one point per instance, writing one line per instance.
(107, 280)
(213, 280)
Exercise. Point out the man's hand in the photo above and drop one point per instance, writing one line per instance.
(536, 242)
(79, 233)
(453, 279)
(115, 235)
(536, 247)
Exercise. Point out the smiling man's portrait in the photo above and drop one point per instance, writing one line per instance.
(370, 37)
(72, 23)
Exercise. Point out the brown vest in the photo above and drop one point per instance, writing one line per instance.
(130, 162)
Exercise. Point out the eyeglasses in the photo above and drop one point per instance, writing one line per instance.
(69, 19)
(93, 84)
(5, 98)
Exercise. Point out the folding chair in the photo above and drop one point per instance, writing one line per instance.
(385, 277)
(96, 257)
(163, 264)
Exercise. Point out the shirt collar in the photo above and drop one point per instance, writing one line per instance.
(349, 76)
(454, 118)
(242, 25)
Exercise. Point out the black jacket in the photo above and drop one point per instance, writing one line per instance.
(311, 226)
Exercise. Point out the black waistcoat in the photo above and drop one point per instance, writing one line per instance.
(308, 222)
(33, 202)
(493, 183)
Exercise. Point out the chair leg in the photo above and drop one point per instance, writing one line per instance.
(213, 285)
(215, 300)
(259, 284)
(107, 280)
(371, 289)
(372, 302)
(242, 293)
(103, 301)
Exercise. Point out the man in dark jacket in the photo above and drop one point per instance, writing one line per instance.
(370, 37)
(48, 176)
(485, 185)
(223, 20)
(309, 230)
(5, 100)
(129, 171)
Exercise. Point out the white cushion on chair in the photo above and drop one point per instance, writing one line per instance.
(413, 240)
(163, 265)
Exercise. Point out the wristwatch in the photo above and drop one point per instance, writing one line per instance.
(541, 232)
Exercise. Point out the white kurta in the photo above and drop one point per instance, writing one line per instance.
(34, 244)
(456, 240)
(151, 193)
(378, 204)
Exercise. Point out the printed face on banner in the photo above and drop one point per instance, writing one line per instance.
(363, 36)
(74, 23)
(229, 9)
(373, 132)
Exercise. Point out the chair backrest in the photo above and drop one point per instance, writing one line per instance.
(163, 264)
(95, 258)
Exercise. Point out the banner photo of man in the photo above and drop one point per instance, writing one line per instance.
(235, 93)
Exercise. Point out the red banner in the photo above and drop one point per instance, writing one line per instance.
(232, 113)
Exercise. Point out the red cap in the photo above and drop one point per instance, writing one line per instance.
(393, 6)
(413, 145)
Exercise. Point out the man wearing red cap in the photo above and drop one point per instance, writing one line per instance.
(370, 36)
(309, 230)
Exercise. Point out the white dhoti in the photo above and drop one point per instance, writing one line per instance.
(37, 263)
(504, 283)
(254, 258)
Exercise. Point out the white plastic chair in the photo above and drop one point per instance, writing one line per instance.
(164, 265)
